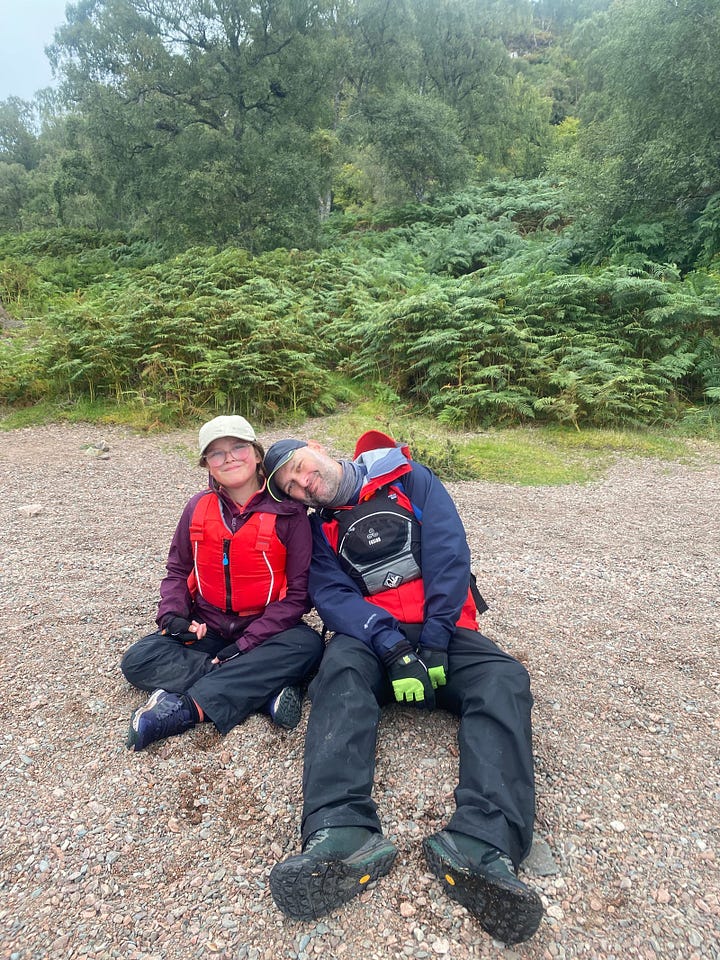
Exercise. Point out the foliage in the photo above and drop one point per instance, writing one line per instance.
(472, 308)
(649, 148)
(418, 141)
(193, 123)
(171, 243)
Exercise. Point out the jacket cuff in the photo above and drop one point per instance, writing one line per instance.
(434, 639)
(399, 650)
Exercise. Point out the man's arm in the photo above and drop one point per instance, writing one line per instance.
(344, 610)
(445, 556)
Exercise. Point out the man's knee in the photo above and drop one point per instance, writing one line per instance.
(349, 662)
(480, 669)
(518, 678)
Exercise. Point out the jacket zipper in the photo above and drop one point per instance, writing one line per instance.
(226, 568)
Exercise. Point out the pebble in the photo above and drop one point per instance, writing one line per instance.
(31, 509)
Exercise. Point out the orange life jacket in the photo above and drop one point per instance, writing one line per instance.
(242, 572)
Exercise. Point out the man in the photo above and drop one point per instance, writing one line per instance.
(390, 576)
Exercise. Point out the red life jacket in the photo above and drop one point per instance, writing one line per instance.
(242, 572)
(377, 542)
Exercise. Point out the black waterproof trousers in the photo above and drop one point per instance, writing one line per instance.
(227, 692)
(487, 689)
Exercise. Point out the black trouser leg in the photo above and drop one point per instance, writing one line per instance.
(230, 691)
(341, 737)
(160, 660)
(490, 691)
(245, 684)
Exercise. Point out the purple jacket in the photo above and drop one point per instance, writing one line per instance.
(293, 529)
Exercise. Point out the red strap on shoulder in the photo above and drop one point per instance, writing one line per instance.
(197, 533)
(197, 520)
(266, 529)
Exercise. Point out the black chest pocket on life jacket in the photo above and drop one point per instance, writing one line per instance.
(379, 544)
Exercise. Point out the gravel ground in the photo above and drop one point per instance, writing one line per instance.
(608, 592)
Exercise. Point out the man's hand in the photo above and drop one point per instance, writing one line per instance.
(436, 662)
(411, 682)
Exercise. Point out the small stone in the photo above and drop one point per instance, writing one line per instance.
(98, 451)
(618, 826)
(540, 861)
(406, 909)
(30, 509)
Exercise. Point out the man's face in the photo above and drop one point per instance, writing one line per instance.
(310, 476)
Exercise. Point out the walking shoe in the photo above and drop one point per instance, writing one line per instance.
(507, 909)
(164, 715)
(332, 869)
(286, 708)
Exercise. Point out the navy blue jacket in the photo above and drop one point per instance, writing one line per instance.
(445, 565)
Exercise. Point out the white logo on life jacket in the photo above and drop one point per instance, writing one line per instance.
(373, 537)
(393, 580)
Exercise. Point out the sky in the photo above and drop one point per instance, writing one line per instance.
(26, 28)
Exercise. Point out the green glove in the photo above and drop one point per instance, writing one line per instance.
(410, 681)
(436, 662)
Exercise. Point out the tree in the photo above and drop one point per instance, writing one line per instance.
(18, 133)
(181, 102)
(649, 146)
(418, 141)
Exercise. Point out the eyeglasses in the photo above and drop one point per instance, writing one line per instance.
(238, 451)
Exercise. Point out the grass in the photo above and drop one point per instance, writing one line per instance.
(136, 415)
(528, 456)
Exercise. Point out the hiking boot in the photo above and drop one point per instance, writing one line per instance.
(164, 715)
(286, 708)
(332, 869)
(487, 885)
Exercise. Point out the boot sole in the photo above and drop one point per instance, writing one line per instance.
(307, 888)
(289, 711)
(508, 911)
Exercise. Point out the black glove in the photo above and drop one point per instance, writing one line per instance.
(179, 627)
(411, 682)
(228, 653)
(436, 662)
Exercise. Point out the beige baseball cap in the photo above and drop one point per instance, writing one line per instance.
(224, 427)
